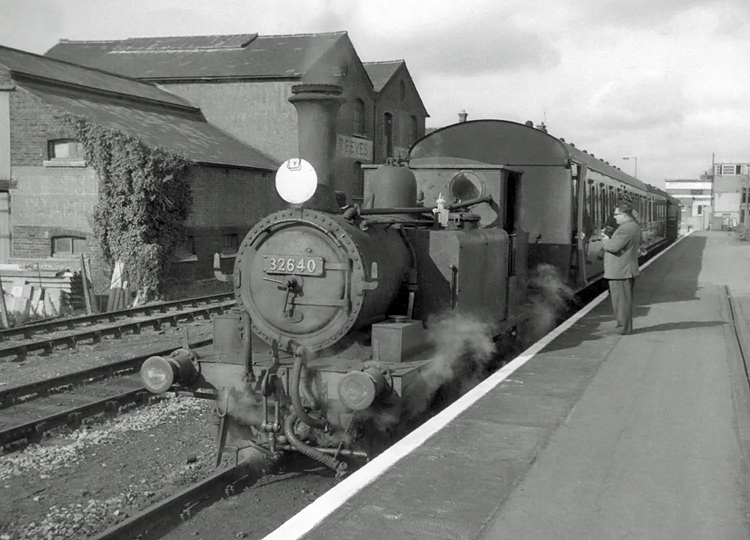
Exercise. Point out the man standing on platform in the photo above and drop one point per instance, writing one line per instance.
(621, 265)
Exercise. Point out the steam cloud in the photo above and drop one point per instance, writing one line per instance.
(550, 296)
(464, 350)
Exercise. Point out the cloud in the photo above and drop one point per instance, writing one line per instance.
(637, 104)
(647, 14)
(18, 33)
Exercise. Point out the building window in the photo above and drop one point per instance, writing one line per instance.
(402, 90)
(388, 134)
(358, 189)
(359, 117)
(729, 170)
(64, 153)
(65, 149)
(229, 243)
(413, 130)
(67, 246)
(700, 210)
(185, 250)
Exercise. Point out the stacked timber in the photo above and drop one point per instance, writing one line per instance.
(34, 293)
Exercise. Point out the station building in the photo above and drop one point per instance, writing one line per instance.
(731, 184)
(48, 191)
(719, 199)
(696, 198)
(242, 84)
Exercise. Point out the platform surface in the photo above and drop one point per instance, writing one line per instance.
(597, 436)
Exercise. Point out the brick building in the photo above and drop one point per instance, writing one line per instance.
(399, 111)
(242, 84)
(47, 191)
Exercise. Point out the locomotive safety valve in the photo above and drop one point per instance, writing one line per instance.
(158, 374)
(359, 389)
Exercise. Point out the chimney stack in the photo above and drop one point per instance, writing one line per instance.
(462, 116)
(317, 106)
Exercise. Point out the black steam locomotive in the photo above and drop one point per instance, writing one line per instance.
(345, 316)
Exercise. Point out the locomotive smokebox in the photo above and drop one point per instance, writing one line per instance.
(317, 106)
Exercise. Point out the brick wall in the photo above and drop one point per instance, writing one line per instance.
(225, 201)
(32, 124)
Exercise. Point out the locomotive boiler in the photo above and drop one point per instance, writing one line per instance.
(326, 351)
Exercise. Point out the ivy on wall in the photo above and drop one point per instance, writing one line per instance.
(144, 200)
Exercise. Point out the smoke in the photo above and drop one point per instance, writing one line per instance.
(550, 297)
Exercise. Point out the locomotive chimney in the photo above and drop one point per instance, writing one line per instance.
(317, 106)
(462, 116)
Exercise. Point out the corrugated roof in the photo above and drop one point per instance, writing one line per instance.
(197, 57)
(40, 67)
(381, 72)
(186, 133)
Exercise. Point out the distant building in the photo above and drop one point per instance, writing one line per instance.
(242, 84)
(695, 196)
(48, 191)
(730, 188)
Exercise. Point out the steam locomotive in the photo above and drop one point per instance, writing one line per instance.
(332, 344)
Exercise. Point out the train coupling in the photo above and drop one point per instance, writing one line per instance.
(158, 373)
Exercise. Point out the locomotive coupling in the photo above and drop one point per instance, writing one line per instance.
(359, 389)
(159, 374)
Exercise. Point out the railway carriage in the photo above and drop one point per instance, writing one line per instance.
(567, 195)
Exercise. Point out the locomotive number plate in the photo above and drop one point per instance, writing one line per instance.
(297, 265)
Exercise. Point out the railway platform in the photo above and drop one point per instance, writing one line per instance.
(586, 435)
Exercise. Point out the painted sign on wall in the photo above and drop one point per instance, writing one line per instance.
(354, 147)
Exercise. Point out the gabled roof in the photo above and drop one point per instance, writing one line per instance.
(241, 56)
(382, 72)
(138, 109)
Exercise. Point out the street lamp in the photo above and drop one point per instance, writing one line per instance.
(634, 158)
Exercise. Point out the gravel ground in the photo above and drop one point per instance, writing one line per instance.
(76, 484)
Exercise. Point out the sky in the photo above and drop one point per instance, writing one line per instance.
(663, 81)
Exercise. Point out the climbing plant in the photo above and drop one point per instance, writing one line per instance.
(144, 200)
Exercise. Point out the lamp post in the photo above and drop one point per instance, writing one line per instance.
(634, 158)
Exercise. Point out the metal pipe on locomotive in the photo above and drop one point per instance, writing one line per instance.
(328, 339)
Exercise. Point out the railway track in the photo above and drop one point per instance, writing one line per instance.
(30, 410)
(67, 333)
(159, 519)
